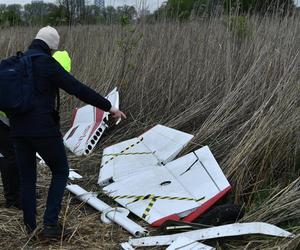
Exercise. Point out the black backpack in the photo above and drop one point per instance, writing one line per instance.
(16, 83)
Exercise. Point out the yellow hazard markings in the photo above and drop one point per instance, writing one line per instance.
(123, 152)
(133, 153)
(153, 199)
(157, 197)
(149, 207)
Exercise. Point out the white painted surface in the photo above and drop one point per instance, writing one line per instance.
(193, 176)
(41, 161)
(110, 213)
(236, 229)
(155, 147)
(126, 246)
(184, 243)
(73, 175)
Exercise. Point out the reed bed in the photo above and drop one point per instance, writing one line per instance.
(236, 90)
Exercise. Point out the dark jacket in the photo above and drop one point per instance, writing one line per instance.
(48, 76)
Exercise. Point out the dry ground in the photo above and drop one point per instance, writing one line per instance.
(235, 87)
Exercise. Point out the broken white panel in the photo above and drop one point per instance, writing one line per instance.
(88, 126)
(157, 146)
(114, 98)
(73, 175)
(109, 214)
(184, 243)
(41, 161)
(230, 230)
(182, 189)
(126, 246)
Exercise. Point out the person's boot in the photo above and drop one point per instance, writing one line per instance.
(55, 232)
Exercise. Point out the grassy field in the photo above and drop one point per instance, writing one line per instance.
(233, 83)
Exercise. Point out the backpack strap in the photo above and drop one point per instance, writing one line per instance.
(36, 54)
(57, 100)
(28, 62)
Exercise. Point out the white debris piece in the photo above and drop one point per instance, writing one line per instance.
(73, 175)
(235, 229)
(126, 246)
(117, 215)
(41, 161)
(184, 243)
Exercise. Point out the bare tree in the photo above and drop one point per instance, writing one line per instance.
(74, 10)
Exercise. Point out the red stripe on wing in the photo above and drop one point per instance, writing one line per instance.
(193, 215)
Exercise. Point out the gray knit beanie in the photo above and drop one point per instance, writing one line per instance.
(50, 36)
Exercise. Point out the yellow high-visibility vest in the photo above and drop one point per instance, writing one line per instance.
(64, 59)
(2, 114)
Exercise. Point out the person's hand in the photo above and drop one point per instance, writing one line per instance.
(117, 114)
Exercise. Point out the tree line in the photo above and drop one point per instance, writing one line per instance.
(69, 12)
(64, 12)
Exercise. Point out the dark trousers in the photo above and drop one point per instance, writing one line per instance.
(52, 150)
(8, 168)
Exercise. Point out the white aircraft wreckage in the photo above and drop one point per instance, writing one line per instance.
(184, 243)
(236, 229)
(157, 146)
(88, 126)
(144, 179)
(109, 214)
(143, 176)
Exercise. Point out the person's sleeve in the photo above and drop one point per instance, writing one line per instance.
(68, 83)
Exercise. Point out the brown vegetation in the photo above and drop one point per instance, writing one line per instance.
(236, 88)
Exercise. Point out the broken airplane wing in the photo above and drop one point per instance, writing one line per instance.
(181, 190)
(88, 126)
(140, 175)
(157, 146)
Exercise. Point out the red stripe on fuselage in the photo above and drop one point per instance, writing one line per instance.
(72, 132)
(73, 116)
(195, 214)
(98, 116)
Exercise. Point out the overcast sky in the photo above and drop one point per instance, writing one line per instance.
(152, 4)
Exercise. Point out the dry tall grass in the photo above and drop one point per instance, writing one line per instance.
(239, 94)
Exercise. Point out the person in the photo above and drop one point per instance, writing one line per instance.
(8, 166)
(38, 131)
